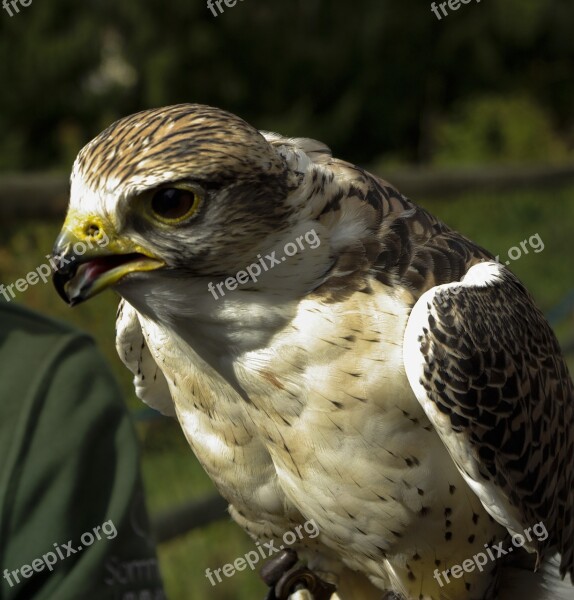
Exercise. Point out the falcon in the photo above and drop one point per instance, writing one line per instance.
(382, 376)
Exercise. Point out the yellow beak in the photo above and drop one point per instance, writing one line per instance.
(89, 260)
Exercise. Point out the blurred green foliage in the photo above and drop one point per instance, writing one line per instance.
(373, 79)
(498, 130)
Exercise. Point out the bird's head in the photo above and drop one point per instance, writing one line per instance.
(177, 192)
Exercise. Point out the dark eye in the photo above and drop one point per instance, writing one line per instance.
(174, 204)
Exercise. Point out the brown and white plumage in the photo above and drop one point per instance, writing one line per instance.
(393, 384)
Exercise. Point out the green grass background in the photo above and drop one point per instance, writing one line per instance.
(498, 221)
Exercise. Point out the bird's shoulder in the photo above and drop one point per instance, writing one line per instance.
(375, 230)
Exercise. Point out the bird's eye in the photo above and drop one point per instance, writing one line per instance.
(174, 204)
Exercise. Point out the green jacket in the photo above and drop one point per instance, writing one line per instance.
(69, 471)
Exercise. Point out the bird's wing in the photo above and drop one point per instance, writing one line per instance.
(149, 381)
(489, 373)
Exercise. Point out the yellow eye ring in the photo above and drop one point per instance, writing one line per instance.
(174, 204)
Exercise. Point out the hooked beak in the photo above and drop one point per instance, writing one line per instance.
(88, 263)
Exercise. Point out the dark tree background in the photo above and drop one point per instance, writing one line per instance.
(377, 80)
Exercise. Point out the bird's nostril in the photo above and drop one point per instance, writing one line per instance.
(92, 230)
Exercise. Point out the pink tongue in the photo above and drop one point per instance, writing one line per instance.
(96, 267)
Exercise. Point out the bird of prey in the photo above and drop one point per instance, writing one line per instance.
(387, 380)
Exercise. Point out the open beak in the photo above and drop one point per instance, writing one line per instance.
(86, 266)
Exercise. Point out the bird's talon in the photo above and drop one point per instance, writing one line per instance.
(272, 571)
(299, 579)
(285, 577)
